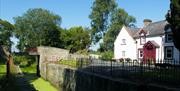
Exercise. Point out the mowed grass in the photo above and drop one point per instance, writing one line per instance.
(29, 69)
(163, 73)
(2, 70)
(42, 85)
(71, 63)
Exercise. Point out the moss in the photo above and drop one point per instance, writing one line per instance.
(42, 85)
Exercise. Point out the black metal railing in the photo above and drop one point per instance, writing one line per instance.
(161, 71)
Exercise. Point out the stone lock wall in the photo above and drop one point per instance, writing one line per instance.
(57, 75)
(51, 54)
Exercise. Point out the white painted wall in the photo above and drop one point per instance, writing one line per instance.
(129, 48)
(176, 55)
(159, 41)
(176, 52)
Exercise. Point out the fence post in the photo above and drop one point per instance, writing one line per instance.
(37, 66)
(111, 68)
(123, 64)
(81, 60)
(141, 68)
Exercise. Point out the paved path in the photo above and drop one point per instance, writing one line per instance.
(23, 84)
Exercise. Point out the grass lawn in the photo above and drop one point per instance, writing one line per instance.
(2, 70)
(29, 69)
(167, 77)
(165, 73)
(5, 83)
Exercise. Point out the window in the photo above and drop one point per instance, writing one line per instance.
(168, 52)
(142, 40)
(123, 53)
(123, 41)
(142, 35)
(140, 53)
(169, 37)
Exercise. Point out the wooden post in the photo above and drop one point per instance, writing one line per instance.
(37, 67)
(8, 66)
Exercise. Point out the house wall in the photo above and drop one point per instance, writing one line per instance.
(129, 48)
(176, 53)
(132, 46)
(159, 41)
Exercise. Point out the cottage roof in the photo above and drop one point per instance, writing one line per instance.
(152, 29)
(132, 31)
(150, 45)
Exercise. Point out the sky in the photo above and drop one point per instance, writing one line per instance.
(76, 12)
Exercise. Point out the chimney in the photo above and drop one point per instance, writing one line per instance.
(147, 22)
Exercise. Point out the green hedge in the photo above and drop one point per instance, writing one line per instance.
(2, 59)
(24, 60)
(107, 56)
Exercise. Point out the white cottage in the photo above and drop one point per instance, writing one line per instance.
(153, 41)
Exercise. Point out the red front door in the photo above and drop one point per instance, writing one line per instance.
(149, 53)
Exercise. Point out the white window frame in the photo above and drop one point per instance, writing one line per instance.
(166, 52)
(123, 42)
(139, 53)
(167, 37)
(142, 40)
(123, 53)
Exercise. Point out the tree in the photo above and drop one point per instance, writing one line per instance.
(119, 18)
(76, 39)
(53, 38)
(173, 17)
(6, 30)
(37, 27)
(100, 16)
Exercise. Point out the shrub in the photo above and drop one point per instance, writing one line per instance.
(2, 59)
(84, 52)
(128, 60)
(121, 60)
(23, 60)
(135, 60)
(107, 56)
(150, 61)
